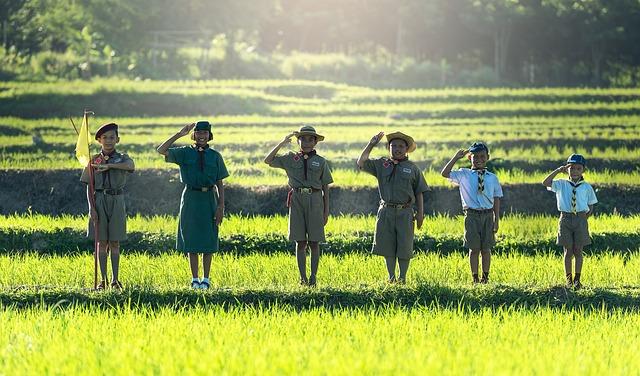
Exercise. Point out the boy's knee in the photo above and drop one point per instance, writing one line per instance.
(486, 252)
(114, 245)
(474, 252)
(301, 244)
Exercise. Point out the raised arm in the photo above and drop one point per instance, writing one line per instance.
(549, 179)
(162, 149)
(272, 154)
(364, 156)
(446, 170)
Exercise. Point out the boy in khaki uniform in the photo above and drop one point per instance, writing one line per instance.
(400, 185)
(308, 200)
(111, 171)
(575, 199)
(480, 192)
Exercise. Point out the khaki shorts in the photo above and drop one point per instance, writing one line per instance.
(394, 233)
(478, 230)
(112, 218)
(573, 230)
(306, 217)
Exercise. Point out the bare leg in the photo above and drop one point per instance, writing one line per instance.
(474, 255)
(568, 256)
(102, 258)
(206, 264)
(577, 251)
(486, 265)
(404, 267)
(301, 256)
(114, 250)
(315, 260)
(391, 268)
(193, 263)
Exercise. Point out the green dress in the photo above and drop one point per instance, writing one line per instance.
(197, 230)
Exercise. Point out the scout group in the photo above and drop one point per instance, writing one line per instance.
(401, 186)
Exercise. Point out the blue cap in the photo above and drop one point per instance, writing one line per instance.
(203, 125)
(577, 159)
(478, 147)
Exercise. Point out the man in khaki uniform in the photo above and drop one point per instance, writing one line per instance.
(110, 176)
(308, 200)
(400, 185)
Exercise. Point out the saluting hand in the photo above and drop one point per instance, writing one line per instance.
(186, 129)
(287, 138)
(564, 168)
(375, 139)
(461, 153)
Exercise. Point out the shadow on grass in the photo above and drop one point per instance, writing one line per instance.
(67, 241)
(469, 298)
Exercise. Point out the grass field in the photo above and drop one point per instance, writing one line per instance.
(256, 318)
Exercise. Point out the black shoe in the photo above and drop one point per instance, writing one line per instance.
(577, 285)
(101, 286)
(484, 280)
(312, 281)
(116, 285)
(304, 282)
(392, 280)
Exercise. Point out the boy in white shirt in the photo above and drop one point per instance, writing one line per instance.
(480, 192)
(575, 199)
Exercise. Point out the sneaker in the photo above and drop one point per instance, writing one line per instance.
(116, 285)
(577, 285)
(484, 280)
(312, 281)
(392, 280)
(304, 282)
(101, 286)
(195, 285)
(204, 285)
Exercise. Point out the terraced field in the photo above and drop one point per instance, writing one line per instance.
(257, 319)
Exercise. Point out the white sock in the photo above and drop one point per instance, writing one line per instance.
(195, 280)
(205, 280)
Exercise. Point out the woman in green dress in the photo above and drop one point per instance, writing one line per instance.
(202, 205)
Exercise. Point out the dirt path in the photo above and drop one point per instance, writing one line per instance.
(158, 192)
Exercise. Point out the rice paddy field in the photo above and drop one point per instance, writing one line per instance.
(256, 318)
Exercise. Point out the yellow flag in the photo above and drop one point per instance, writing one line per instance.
(82, 146)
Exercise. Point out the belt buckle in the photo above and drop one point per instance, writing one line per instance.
(306, 190)
(204, 189)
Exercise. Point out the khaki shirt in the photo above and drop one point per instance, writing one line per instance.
(110, 179)
(400, 187)
(318, 172)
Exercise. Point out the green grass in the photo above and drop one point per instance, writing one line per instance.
(527, 235)
(279, 340)
(347, 272)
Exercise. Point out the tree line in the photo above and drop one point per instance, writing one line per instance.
(519, 42)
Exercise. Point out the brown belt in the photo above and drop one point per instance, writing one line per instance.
(395, 206)
(479, 211)
(201, 189)
(306, 190)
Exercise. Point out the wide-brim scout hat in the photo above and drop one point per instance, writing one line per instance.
(577, 159)
(477, 147)
(106, 128)
(307, 130)
(411, 144)
(202, 125)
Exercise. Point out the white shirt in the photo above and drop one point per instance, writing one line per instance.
(467, 179)
(585, 195)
